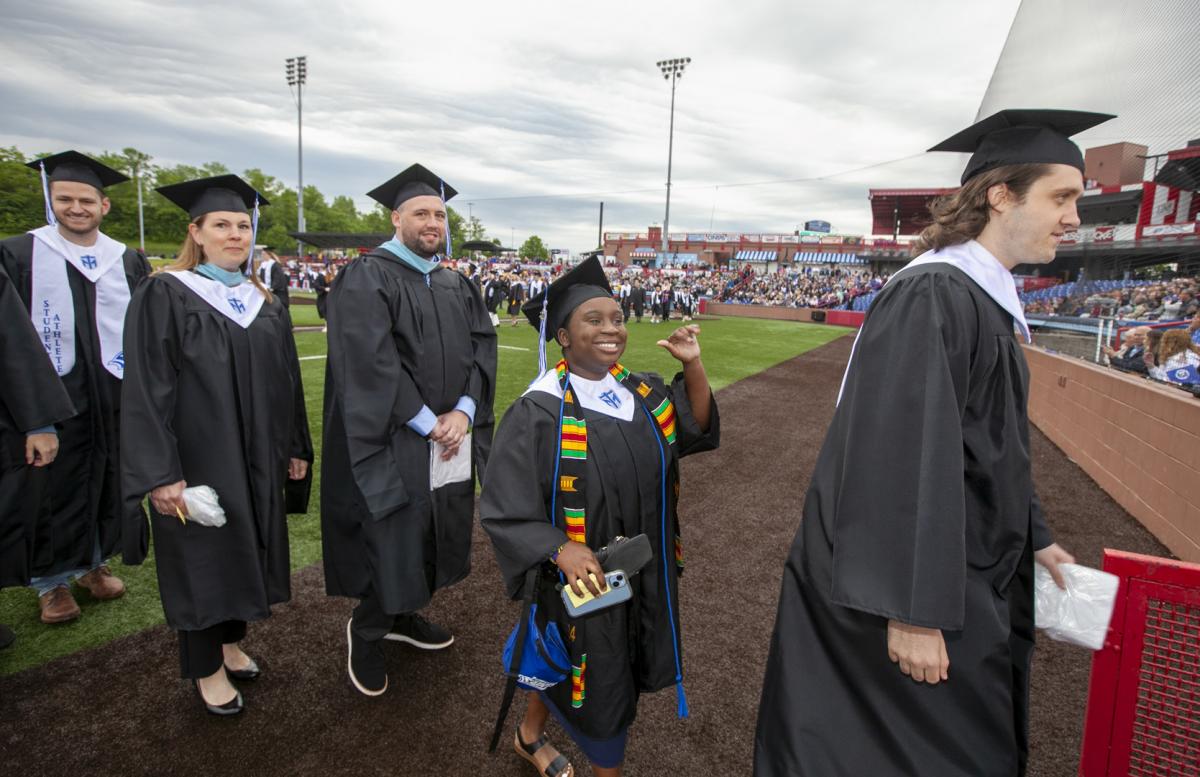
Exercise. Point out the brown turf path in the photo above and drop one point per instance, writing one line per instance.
(119, 709)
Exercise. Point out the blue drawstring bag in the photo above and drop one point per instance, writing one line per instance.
(544, 661)
(535, 656)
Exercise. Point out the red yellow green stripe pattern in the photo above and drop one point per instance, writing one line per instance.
(574, 438)
(665, 415)
(618, 372)
(576, 524)
(579, 682)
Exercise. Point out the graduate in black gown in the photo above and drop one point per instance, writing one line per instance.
(32, 401)
(904, 636)
(213, 397)
(76, 282)
(412, 366)
(637, 427)
(274, 275)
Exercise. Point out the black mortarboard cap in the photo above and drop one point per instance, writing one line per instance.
(74, 166)
(416, 181)
(579, 284)
(208, 195)
(1021, 136)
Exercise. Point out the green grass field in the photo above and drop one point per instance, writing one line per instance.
(732, 349)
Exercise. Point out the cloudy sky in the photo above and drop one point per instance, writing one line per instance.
(537, 111)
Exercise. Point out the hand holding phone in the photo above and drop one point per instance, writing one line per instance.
(617, 591)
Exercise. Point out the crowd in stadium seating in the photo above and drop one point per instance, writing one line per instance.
(1173, 300)
(811, 287)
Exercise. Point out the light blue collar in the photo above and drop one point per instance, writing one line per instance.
(228, 277)
(409, 257)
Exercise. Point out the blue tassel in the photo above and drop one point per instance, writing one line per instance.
(682, 698)
(50, 219)
(253, 239)
(542, 335)
(442, 186)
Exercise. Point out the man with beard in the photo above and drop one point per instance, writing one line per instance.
(904, 634)
(76, 283)
(412, 367)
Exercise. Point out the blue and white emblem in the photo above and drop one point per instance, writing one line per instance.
(88, 261)
(611, 399)
(237, 305)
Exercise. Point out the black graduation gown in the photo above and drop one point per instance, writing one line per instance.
(638, 295)
(321, 286)
(31, 397)
(921, 509)
(82, 493)
(630, 648)
(213, 404)
(278, 283)
(396, 344)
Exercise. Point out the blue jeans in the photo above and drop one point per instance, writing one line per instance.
(44, 585)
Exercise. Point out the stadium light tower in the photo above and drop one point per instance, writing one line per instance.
(297, 77)
(672, 70)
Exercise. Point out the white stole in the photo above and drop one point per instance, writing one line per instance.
(605, 396)
(983, 268)
(52, 308)
(240, 303)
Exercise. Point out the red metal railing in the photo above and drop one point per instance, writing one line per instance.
(1143, 712)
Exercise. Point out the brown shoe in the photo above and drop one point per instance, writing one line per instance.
(101, 583)
(58, 606)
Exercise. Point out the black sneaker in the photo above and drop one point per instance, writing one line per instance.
(6, 636)
(418, 632)
(365, 664)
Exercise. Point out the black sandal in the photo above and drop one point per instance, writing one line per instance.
(559, 767)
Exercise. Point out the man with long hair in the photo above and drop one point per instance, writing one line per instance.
(904, 634)
(76, 283)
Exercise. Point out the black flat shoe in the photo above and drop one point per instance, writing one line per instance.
(249, 673)
(232, 707)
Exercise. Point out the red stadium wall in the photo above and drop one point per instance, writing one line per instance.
(1138, 440)
(758, 311)
(851, 318)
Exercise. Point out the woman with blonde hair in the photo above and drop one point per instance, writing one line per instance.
(212, 397)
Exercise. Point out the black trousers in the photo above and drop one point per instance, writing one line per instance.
(369, 622)
(200, 653)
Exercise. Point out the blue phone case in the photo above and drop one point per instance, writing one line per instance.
(619, 591)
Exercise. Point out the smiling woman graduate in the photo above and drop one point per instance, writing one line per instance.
(212, 397)
(591, 452)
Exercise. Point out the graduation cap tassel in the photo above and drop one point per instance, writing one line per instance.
(253, 239)
(682, 698)
(442, 184)
(542, 334)
(46, 197)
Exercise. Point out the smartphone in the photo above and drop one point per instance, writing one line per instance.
(618, 592)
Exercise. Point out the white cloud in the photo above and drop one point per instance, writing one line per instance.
(533, 98)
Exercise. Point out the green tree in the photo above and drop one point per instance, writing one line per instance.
(534, 248)
(21, 205)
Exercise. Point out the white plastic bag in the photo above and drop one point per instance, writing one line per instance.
(203, 506)
(1080, 614)
(456, 470)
